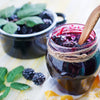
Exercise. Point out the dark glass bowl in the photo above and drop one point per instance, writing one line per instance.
(31, 45)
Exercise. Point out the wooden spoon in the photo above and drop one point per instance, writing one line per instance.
(92, 20)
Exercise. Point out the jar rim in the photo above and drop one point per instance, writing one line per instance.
(55, 46)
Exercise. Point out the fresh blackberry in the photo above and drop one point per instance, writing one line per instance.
(47, 23)
(38, 78)
(24, 29)
(46, 15)
(13, 18)
(36, 28)
(30, 30)
(28, 73)
(18, 28)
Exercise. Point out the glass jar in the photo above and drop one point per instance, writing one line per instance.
(74, 68)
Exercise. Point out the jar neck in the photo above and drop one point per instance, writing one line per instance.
(72, 54)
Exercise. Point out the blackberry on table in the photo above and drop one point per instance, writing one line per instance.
(38, 78)
(28, 73)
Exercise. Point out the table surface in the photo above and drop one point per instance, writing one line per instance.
(76, 11)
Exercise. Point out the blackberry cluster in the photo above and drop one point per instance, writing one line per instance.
(37, 78)
(46, 16)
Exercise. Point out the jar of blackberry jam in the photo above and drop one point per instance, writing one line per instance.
(73, 66)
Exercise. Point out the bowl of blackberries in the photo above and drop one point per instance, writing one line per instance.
(24, 31)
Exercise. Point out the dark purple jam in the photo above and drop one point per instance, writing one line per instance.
(69, 39)
(73, 77)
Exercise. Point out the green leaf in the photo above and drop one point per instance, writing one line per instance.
(14, 73)
(7, 12)
(31, 10)
(5, 93)
(19, 86)
(3, 21)
(30, 21)
(2, 87)
(18, 76)
(26, 6)
(3, 72)
(10, 27)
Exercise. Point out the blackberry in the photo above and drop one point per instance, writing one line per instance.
(36, 28)
(24, 29)
(47, 23)
(18, 28)
(13, 18)
(28, 73)
(30, 30)
(46, 15)
(38, 78)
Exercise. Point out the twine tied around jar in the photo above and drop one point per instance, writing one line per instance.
(75, 56)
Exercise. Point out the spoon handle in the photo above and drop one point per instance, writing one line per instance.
(92, 20)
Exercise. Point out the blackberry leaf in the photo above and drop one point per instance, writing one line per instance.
(2, 21)
(30, 21)
(14, 73)
(19, 86)
(29, 10)
(10, 27)
(3, 72)
(7, 12)
(2, 87)
(5, 93)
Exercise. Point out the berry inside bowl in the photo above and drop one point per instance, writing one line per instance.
(24, 30)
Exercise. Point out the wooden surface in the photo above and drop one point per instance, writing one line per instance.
(77, 11)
